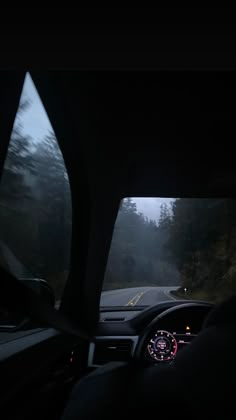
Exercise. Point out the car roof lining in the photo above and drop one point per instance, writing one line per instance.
(147, 150)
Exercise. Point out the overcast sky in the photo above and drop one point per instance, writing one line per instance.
(35, 123)
(150, 207)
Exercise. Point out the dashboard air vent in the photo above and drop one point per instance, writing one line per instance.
(113, 319)
(109, 350)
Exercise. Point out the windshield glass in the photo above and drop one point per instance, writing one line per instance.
(171, 248)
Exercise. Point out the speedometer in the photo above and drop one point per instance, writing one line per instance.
(162, 346)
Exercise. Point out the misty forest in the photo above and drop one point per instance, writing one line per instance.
(35, 208)
(193, 244)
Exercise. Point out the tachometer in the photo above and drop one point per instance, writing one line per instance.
(162, 346)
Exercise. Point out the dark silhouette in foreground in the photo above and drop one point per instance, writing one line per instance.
(198, 385)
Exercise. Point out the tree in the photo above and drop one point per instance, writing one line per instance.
(15, 195)
(35, 205)
(18, 165)
(165, 217)
(202, 244)
(52, 211)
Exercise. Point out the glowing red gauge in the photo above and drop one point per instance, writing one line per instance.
(162, 346)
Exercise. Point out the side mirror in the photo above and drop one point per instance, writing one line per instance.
(42, 288)
(11, 319)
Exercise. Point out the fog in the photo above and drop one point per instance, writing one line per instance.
(150, 206)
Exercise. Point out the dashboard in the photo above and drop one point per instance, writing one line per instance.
(153, 335)
(166, 340)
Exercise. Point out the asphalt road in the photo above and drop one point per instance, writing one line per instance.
(136, 296)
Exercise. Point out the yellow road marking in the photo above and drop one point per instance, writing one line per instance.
(135, 299)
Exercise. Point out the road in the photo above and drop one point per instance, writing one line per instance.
(136, 296)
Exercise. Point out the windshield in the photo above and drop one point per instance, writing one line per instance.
(171, 248)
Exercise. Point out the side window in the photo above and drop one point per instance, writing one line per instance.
(35, 199)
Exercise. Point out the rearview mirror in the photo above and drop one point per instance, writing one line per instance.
(42, 288)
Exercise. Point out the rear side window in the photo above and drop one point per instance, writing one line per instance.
(35, 198)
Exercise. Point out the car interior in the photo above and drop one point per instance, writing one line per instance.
(121, 134)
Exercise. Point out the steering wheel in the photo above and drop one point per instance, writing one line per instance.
(158, 335)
